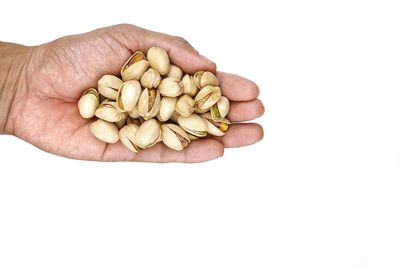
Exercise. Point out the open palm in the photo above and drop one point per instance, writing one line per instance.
(46, 114)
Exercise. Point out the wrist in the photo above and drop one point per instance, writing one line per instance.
(13, 81)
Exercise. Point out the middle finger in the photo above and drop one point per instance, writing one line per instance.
(245, 111)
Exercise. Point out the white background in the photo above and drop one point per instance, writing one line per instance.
(321, 189)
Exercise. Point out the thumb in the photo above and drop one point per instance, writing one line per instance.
(180, 51)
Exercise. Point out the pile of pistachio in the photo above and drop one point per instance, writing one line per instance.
(155, 101)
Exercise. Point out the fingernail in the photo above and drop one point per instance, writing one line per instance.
(205, 59)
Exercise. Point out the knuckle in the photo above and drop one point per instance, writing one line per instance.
(182, 40)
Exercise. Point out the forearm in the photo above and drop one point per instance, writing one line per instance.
(13, 58)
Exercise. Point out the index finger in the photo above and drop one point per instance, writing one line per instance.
(237, 88)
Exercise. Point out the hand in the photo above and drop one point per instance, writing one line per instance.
(54, 75)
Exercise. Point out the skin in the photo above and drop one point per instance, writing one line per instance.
(40, 87)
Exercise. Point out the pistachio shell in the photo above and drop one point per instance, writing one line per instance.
(149, 103)
(137, 121)
(134, 67)
(216, 122)
(170, 87)
(108, 111)
(167, 108)
(201, 111)
(220, 109)
(192, 137)
(175, 72)
(103, 98)
(207, 97)
(148, 134)
(189, 86)
(174, 117)
(208, 79)
(197, 78)
(128, 95)
(104, 131)
(185, 106)
(217, 128)
(88, 103)
(134, 113)
(135, 71)
(150, 79)
(122, 121)
(205, 78)
(127, 136)
(108, 86)
(159, 60)
(211, 129)
(160, 137)
(194, 125)
(174, 136)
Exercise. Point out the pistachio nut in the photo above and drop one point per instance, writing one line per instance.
(220, 109)
(108, 86)
(170, 87)
(175, 72)
(159, 60)
(207, 97)
(149, 103)
(174, 136)
(128, 95)
(134, 113)
(127, 136)
(194, 125)
(167, 108)
(134, 67)
(88, 103)
(104, 131)
(189, 86)
(185, 106)
(109, 111)
(216, 127)
(205, 78)
(150, 79)
(148, 134)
